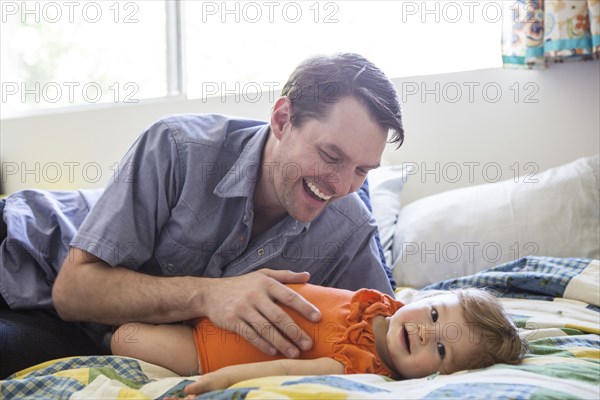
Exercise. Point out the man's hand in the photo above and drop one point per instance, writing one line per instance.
(246, 304)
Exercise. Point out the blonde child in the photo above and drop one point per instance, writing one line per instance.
(359, 332)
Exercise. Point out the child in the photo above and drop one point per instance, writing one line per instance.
(359, 332)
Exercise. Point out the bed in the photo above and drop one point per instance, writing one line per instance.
(543, 247)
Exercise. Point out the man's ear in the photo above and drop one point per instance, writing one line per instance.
(281, 116)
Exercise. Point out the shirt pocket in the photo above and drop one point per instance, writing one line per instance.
(177, 260)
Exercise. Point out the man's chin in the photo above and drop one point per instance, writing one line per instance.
(308, 216)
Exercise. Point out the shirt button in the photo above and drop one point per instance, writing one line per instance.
(261, 252)
(242, 238)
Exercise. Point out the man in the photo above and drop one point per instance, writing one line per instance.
(209, 216)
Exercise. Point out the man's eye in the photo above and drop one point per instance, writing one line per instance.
(327, 158)
(441, 350)
(434, 315)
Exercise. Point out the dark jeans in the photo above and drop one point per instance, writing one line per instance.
(29, 337)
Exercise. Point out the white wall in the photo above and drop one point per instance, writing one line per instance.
(472, 139)
(463, 143)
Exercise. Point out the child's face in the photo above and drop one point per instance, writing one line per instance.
(431, 335)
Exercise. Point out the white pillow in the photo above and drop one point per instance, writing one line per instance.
(385, 187)
(464, 231)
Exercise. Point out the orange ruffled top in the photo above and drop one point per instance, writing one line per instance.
(344, 332)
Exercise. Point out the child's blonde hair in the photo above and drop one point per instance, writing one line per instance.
(499, 339)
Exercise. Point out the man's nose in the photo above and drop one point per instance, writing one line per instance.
(347, 181)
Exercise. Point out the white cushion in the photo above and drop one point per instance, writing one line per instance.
(464, 231)
(385, 187)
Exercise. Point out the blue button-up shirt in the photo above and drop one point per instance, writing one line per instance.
(181, 203)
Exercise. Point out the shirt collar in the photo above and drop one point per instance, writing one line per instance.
(241, 178)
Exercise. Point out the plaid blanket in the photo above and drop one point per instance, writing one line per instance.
(555, 303)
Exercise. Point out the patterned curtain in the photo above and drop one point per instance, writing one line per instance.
(538, 32)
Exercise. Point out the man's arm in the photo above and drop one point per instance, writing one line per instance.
(88, 289)
(228, 376)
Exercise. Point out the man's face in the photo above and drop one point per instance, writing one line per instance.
(322, 161)
(431, 335)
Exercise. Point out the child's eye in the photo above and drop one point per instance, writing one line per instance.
(434, 315)
(441, 350)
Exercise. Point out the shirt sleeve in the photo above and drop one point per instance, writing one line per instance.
(123, 226)
(363, 193)
(360, 266)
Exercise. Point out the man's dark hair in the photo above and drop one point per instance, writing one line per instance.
(319, 82)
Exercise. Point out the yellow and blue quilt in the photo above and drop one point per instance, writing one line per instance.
(555, 303)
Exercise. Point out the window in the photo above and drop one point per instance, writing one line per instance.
(247, 46)
(56, 54)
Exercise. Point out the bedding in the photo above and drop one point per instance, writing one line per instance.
(463, 231)
(385, 185)
(554, 301)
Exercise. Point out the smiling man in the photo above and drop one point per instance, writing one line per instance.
(209, 216)
(331, 168)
